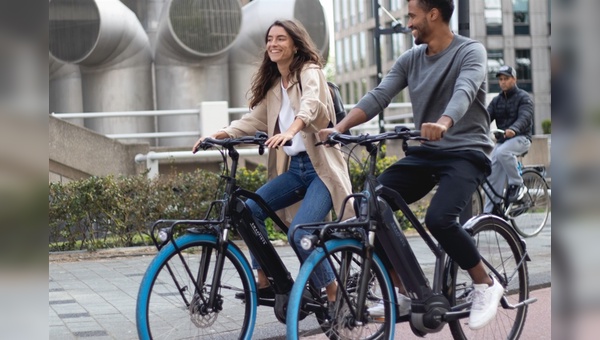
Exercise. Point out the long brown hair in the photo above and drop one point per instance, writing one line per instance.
(268, 73)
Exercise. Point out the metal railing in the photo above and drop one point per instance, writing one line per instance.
(153, 159)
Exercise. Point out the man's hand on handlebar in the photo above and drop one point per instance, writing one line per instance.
(435, 131)
(324, 135)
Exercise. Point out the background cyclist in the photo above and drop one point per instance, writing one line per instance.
(512, 110)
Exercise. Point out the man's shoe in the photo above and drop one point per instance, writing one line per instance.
(263, 293)
(377, 312)
(484, 303)
(515, 192)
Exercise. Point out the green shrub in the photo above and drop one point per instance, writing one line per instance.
(104, 212)
(101, 212)
(547, 126)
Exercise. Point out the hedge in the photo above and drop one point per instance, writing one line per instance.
(105, 212)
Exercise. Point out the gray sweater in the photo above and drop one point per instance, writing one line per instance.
(450, 83)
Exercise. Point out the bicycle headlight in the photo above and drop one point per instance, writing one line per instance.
(163, 234)
(308, 242)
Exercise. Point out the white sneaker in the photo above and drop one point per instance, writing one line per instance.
(484, 301)
(403, 308)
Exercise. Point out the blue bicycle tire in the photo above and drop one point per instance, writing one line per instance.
(316, 257)
(237, 262)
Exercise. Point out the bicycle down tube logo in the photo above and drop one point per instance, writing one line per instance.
(257, 233)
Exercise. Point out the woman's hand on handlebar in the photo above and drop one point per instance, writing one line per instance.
(279, 139)
(217, 135)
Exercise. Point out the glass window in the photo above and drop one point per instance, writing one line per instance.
(353, 14)
(364, 87)
(336, 15)
(398, 46)
(344, 11)
(347, 55)
(371, 47)
(355, 53)
(361, 11)
(346, 91)
(493, 17)
(523, 68)
(363, 49)
(521, 16)
(339, 60)
(495, 60)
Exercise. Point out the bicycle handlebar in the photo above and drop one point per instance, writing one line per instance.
(259, 139)
(400, 132)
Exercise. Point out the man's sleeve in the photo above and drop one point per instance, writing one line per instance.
(524, 115)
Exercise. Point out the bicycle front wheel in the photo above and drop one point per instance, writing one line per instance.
(345, 257)
(530, 214)
(173, 300)
(503, 255)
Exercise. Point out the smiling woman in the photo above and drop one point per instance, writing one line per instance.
(290, 100)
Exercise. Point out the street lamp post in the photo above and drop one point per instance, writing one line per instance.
(397, 27)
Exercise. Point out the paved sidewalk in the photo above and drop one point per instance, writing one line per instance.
(94, 297)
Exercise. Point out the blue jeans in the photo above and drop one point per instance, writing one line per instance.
(300, 182)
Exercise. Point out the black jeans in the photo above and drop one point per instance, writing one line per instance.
(457, 173)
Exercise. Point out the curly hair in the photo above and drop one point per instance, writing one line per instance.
(268, 73)
(446, 7)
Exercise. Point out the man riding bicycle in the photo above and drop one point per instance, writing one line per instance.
(512, 110)
(445, 74)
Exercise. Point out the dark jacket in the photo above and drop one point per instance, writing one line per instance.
(513, 110)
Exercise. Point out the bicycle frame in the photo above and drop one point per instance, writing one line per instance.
(234, 215)
(377, 231)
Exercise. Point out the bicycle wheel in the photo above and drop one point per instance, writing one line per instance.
(169, 306)
(474, 209)
(502, 253)
(530, 214)
(346, 257)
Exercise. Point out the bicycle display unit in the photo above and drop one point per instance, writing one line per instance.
(363, 279)
(192, 287)
(529, 214)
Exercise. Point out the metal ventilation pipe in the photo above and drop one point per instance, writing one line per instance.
(248, 50)
(106, 39)
(64, 90)
(191, 63)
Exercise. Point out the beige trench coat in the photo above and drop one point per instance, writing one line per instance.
(314, 106)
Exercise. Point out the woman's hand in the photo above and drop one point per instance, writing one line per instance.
(218, 135)
(279, 140)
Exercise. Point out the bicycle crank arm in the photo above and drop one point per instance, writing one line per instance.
(507, 305)
(453, 316)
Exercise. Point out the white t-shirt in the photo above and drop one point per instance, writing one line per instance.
(286, 118)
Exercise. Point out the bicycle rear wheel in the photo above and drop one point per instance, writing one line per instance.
(170, 306)
(530, 214)
(346, 258)
(503, 255)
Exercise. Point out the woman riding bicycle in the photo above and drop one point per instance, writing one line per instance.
(290, 100)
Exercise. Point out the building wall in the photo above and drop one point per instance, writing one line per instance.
(353, 18)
